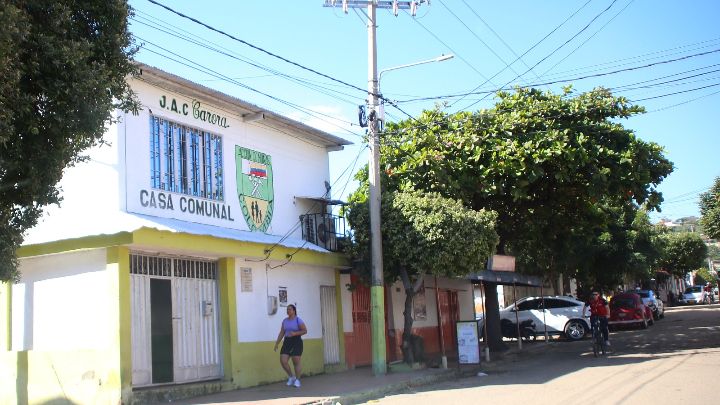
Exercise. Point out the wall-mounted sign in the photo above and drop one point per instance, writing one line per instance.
(255, 187)
(501, 263)
(246, 279)
(199, 112)
(282, 296)
(195, 206)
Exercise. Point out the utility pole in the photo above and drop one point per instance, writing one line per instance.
(377, 290)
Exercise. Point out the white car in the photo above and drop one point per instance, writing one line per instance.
(694, 295)
(562, 315)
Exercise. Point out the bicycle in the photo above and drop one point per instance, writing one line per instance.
(597, 338)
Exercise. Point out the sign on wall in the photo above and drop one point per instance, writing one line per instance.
(255, 187)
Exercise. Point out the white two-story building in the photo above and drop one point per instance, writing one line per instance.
(174, 253)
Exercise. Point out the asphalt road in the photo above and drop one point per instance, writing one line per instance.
(675, 361)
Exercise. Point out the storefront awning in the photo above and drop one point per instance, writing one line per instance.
(505, 278)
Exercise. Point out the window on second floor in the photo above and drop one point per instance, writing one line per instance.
(185, 160)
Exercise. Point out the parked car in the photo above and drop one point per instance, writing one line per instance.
(652, 300)
(628, 309)
(694, 295)
(561, 314)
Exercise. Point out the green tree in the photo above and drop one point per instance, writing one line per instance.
(64, 66)
(628, 246)
(710, 210)
(683, 252)
(542, 161)
(704, 276)
(422, 233)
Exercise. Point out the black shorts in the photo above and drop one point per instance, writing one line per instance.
(292, 346)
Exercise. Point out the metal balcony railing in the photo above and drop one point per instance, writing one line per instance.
(324, 230)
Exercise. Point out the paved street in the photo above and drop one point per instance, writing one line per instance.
(676, 360)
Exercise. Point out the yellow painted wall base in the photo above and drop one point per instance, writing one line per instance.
(259, 364)
(76, 377)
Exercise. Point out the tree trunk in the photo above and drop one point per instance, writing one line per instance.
(407, 347)
(410, 289)
(492, 312)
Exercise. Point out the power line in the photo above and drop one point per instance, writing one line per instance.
(477, 37)
(566, 80)
(497, 36)
(556, 49)
(526, 52)
(175, 31)
(677, 92)
(588, 39)
(221, 32)
(215, 74)
(684, 102)
(449, 47)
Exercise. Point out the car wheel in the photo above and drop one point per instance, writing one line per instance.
(575, 329)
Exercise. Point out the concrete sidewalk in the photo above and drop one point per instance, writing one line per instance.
(358, 385)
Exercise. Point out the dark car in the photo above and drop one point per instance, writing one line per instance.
(629, 309)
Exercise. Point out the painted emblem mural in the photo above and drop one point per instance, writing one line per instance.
(255, 187)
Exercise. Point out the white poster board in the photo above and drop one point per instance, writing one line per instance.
(467, 342)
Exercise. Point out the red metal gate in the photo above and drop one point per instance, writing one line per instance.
(449, 312)
(359, 349)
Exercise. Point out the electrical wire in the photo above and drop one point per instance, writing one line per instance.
(526, 52)
(462, 95)
(588, 39)
(257, 48)
(201, 68)
(553, 52)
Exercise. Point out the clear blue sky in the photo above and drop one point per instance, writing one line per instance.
(492, 44)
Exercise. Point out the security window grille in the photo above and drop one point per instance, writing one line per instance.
(157, 266)
(185, 160)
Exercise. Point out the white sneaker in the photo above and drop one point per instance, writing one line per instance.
(297, 383)
(291, 381)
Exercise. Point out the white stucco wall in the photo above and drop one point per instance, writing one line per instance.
(346, 297)
(465, 301)
(294, 162)
(303, 289)
(63, 302)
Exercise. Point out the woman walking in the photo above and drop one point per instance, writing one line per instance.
(291, 329)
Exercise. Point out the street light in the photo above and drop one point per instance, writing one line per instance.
(440, 58)
(377, 291)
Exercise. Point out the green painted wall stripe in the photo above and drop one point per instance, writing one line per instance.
(338, 302)
(87, 242)
(377, 324)
(228, 315)
(121, 256)
(202, 244)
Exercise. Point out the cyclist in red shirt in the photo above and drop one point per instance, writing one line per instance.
(599, 312)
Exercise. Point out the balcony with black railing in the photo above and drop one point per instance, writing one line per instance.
(324, 230)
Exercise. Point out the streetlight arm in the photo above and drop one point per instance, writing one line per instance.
(438, 59)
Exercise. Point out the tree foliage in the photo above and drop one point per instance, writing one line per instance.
(64, 66)
(710, 210)
(548, 164)
(629, 245)
(682, 252)
(704, 276)
(542, 161)
(422, 233)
